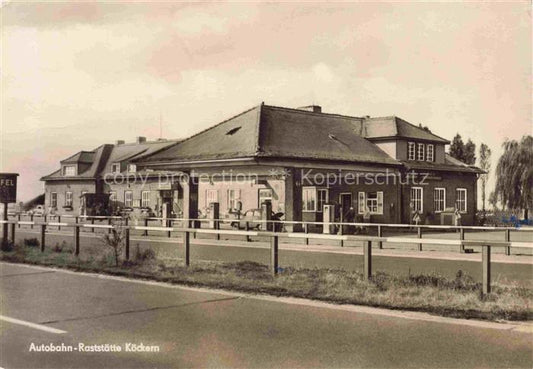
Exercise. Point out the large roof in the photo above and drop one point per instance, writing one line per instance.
(269, 131)
(394, 127)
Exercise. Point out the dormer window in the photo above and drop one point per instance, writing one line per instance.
(411, 151)
(421, 152)
(115, 168)
(69, 170)
(132, 168)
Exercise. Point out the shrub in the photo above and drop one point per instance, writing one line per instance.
(60, 247)
(144, 255)
(31, 242)
(7, 245)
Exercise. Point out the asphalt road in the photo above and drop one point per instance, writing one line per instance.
(209, 329)
(419, 263)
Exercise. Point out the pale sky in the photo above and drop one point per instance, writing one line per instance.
(75, 76)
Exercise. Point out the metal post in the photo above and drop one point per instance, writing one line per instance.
(4, 226)
(146, 225)
(462, 238)
(247, 227)
(367, 255)
(13, 233)
(306, 230)
(169, 224)
(508, 239)
(127, 243)
(217, 227)
(18, 217)
(380, 234)
(274, 254)
(58, 220)
(77, 240)
(31, 219)
(92, 222)
(486, 269)
(43, 230)
(187, 245)
(109, 223)
(419, 231)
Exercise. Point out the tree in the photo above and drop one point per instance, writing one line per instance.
(514, 175)
(484, 165)
(493, 200)
(457, 148)
(469, 155)
(115, 240)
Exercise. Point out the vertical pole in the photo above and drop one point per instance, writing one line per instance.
(169, 224)
(4, 226)
(77, 240)
(247, 228)
(92, 222)
(380, 234)
(127, 241)
(217, 227)
(367, 255)
(146, 225)
(109, 223)
(187, 245)
(18, 217)
(13, 233)
(306, 230)
(58, 220)
(31, 219)
(462, 238)
(43, 230)
(508, 239)
(419, 231)
(486, 269)
(274, 255)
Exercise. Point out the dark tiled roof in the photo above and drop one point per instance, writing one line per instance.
(394, 127)
(81, 157)
(131, 151)
(450, 164)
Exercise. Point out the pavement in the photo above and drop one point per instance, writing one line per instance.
(191, 327)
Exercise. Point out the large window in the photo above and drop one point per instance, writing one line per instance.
(430, 155)
(233, 198)
(309, 199)
(417, 202)
(421, 152)
(211, 196)
(439, 199)
(69, 170)
(265, 194)
(128, 199)
(460, 199)
(68, 198)
(145, 199)
(411, 151)
(373, 201)
(323, 198)
(53, 199)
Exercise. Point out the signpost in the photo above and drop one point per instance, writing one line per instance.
(8, 193)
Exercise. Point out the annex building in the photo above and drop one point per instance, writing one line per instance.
(298, 159)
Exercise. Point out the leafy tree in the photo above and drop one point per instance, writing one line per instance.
(484, 164)
(115, 240)
(457, 148)
(514, 175)
(469, 155)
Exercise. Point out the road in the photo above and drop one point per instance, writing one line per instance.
(199, 328)
(513, 268)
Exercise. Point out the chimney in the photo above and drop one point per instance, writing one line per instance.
(141, 139)
(313, 108)
(120, 142)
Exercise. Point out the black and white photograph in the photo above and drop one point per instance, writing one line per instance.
(264, 184)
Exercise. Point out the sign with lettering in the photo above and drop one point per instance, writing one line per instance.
(8, 187)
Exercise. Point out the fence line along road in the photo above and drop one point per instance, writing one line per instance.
(274, 242)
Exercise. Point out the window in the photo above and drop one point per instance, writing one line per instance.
(309, 199)
(128, 199)
(323, 198)
(460, 199)
(371, 200)
(132, 168)
(69, 170)
(211, 196)
(82, 199)
(53, 199)
(115, 168)
(145, 199)
(68, 198)
(430, 152)
(265, 194)
(439, 199)
(233, 198)
(416, 199)
(421, 151)
(411, 151)
(113, 197)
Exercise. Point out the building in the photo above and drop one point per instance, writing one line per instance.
(299, 160)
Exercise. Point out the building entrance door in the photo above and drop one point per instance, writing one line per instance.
(345, 201)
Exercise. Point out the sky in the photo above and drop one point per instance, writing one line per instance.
(77, 75)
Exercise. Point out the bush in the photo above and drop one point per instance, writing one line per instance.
(31, 242)
(142, 256)
(7, 246)
(60, 247)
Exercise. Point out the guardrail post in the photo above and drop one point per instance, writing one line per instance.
(92, 222)
(127, 242)
(58, 220)
(508, 239)
(247, 228)
(13, 232)
(169, 224)
(77, 240)
(187, 246)
(486, 269)
(18, 218)
(217, 226)
(43, 232)
(274, 254)
(109, 223)
(419, 232)
(380, 234)
(146, 225)
(31, 219)
(306, 230)
(367, 255)
(341, 233)
(76, 219)
(462, 238)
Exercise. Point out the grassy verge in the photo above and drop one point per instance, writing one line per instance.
(460, 297)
